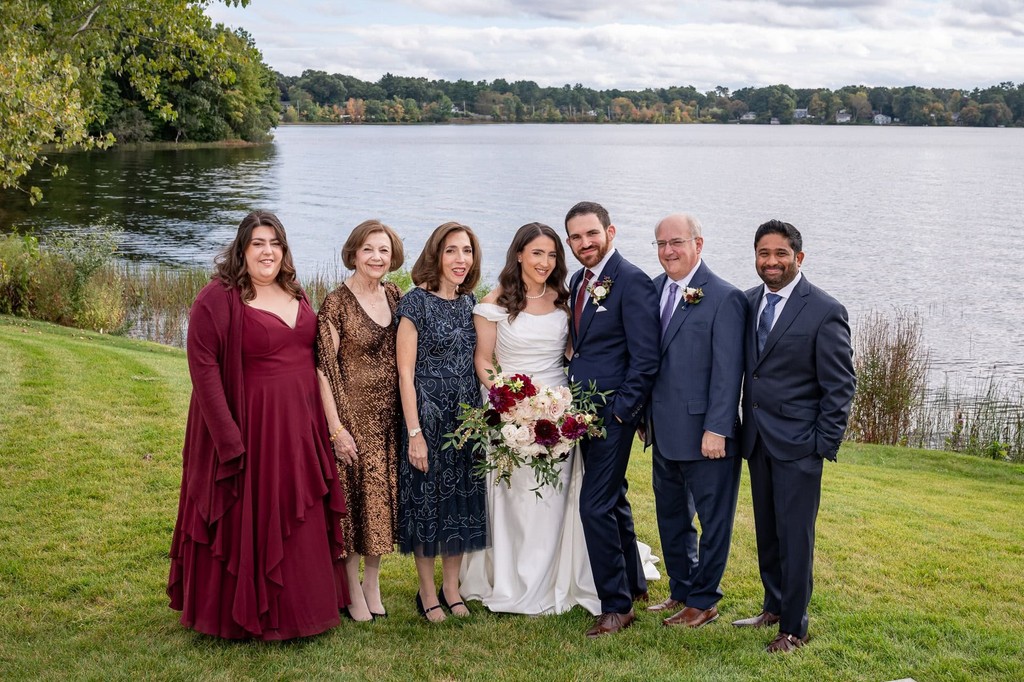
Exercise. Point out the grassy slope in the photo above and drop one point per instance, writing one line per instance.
(920, 562)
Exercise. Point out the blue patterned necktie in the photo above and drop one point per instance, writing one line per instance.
(670, 305)
(764, 323)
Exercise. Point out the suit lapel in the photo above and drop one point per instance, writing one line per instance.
(699, 279)
(753, 301)
(590, 308)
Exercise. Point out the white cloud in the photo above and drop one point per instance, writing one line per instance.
(585, 11)
(734, 43)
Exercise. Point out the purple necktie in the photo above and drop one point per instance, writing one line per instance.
(670, 306)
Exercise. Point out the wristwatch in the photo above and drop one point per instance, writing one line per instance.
(415, 432)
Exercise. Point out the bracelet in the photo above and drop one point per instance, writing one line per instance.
(336, 433)
(415, 432)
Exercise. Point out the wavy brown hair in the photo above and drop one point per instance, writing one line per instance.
(359, 236)
(229, 265)
(513, 288)
(427, 269)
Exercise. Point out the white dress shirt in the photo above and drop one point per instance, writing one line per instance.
(785, 292)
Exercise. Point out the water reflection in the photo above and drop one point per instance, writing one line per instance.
(171, 206)
(923, 219)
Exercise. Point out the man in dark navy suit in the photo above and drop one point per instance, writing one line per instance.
(693, 421)
(614, 331)
(798, 385)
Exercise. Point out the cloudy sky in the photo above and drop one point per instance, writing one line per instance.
(621, 44)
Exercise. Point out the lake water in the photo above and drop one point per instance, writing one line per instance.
(926, 219)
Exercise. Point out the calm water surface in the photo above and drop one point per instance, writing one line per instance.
(923, 219)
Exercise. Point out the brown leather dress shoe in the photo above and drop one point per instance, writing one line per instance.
(610, 623)
(669, 604)
(761, 620)
(692, 617)
(783, 643)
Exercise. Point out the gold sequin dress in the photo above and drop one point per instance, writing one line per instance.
(363, 376)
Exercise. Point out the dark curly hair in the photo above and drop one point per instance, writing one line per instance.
(229, 265)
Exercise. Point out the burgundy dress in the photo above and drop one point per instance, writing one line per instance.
(257, 544)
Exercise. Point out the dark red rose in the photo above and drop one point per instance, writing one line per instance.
(492, 417)
(545, 433)
(528, 390)
(501, 398)
(572, 428)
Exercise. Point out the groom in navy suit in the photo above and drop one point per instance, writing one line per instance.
(614, 330)
(799, 382)
(693, 421)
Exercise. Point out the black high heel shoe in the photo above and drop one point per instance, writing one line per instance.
(423, 611)
(444, 602)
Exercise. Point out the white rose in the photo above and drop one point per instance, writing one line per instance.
(599, 292)
(523, 437)
(508, 434)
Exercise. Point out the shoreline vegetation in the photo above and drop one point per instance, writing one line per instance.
(919, 561)
(161, 145)
(73, 279)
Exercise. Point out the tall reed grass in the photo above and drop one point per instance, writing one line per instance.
(892, 366)
(894, 405)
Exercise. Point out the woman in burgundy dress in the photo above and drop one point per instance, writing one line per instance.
(257, 545)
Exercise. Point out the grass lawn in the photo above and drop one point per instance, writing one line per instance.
(919, 572)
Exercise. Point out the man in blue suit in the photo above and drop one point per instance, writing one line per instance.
(614, 331)
(799, 382)
(694, 421)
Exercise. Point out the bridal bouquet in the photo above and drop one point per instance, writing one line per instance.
(523, 424)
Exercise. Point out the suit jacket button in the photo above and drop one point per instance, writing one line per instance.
(755, 376)
(575, 355)
(755, 406)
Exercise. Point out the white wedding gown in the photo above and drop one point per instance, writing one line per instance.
(537, 563)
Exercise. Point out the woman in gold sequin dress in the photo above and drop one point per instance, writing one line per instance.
(359, 386)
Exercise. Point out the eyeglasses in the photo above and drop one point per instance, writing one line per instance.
(674, 243)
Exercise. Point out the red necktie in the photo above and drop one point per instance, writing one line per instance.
(577, 310)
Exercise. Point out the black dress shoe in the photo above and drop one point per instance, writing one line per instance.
(444, 602)
(423, 611)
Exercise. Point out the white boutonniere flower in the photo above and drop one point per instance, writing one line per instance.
(693, 296)
(599, 290)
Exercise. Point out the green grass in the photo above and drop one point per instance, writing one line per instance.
(919, 572)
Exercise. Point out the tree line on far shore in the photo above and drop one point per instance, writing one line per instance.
(320, 97)
(83, 74)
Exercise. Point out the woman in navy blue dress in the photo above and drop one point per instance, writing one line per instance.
(442, 502)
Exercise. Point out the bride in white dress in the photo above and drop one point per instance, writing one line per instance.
(537, 563)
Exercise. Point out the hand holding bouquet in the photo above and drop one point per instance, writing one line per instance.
(523, 424)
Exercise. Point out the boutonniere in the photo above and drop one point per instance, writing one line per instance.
(599, 290)
(693, 296)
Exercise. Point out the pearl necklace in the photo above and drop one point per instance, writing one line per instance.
(541, 294)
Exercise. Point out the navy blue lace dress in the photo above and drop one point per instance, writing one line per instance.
(442, 512)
